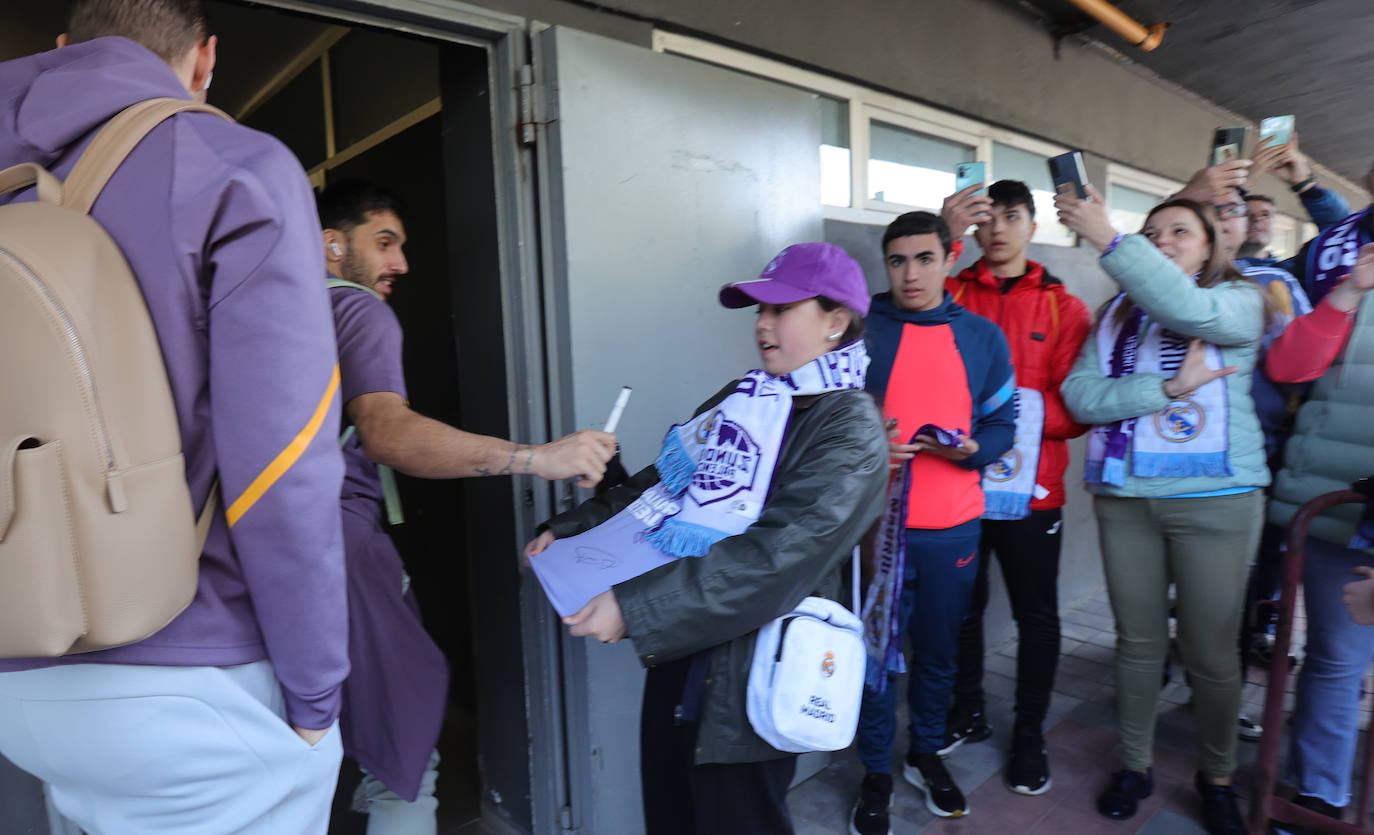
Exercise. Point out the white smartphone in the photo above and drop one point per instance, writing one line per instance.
(1279, 127)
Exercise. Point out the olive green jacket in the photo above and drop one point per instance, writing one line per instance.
(827, 491)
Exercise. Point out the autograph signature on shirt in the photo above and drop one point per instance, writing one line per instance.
(595, 558)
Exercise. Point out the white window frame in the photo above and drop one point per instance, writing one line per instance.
(1134, 178)
(982, 150)
(865, 105)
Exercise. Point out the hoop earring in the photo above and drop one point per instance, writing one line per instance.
(836, 335)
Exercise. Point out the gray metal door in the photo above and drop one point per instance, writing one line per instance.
(661, 179)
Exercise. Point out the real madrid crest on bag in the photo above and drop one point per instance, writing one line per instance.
(807, 678)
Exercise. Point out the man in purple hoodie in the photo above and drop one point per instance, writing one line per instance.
(220, 722)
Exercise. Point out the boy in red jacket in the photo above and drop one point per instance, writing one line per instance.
(1045, 327)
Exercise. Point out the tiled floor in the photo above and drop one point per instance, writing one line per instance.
(1081, 740)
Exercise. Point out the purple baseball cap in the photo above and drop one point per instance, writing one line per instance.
(800, 272)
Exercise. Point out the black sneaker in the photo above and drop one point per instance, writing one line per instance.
(871, 809)
(964, 727)
(1248, 729)
(1259, 652)
(1028, 768)
(927, 773)
(1123, 795)
(1220, 811)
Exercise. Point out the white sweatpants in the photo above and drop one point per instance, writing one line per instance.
(129, 750)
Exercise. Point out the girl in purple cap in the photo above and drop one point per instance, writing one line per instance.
(767, 488)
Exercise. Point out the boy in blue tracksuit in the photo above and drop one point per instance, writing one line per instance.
(933, 362)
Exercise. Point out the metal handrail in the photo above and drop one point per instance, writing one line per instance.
(1264, 804)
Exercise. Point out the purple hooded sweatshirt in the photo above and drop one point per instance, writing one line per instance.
(219, 225)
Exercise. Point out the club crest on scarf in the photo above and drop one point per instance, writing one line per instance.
(729, 461)
(1186, 438)
(1181, 421)
(1004, 468)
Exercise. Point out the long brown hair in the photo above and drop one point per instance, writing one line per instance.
(1215, 270)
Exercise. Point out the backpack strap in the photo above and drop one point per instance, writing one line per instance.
(113, 143)
(352, 285)
(207, 515)
(94, 169)
(391, 494)
(26, 174)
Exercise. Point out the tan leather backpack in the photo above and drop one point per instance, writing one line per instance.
(99, 544)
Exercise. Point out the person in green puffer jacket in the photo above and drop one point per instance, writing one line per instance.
(1332, 446)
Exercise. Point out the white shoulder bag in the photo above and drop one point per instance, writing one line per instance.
(807, 678)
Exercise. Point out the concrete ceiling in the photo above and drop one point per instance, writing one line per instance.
(1311, 58)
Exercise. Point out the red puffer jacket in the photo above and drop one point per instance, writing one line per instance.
(1045, 327)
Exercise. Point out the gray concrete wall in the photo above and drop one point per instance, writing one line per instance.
(980, 58)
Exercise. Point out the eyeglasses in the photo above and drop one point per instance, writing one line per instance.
(1226, 211)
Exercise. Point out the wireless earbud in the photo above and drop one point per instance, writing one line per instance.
(334, 248)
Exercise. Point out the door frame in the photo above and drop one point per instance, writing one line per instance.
(506, 40)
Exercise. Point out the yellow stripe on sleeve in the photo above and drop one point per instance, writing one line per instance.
(286, 457)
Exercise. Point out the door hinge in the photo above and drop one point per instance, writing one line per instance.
(565, 819)
(524, 90)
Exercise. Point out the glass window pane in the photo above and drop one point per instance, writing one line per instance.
(835, 186)
(377, 78)
(295, 115)
(912, 168)
(834, 122)
(1127, 207)
(1009, 163)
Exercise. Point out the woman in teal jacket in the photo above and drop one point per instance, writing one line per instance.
(1175, 463)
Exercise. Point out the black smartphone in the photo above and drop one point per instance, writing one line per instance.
(1067, 172)
(1227, 144)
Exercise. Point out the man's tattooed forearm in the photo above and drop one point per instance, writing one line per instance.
(510, 469)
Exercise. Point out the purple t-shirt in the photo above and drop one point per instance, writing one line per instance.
(369, 361)
(218, 223)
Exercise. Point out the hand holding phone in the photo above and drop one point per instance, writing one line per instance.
(1086, 218)
(969, 204)
(970, 174)
(1068, 174)
(1227, 144)
(1277, 128)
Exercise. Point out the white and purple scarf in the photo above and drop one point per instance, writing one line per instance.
(715, 470)
(1188, 437)
(881, 613)
(1332, 254)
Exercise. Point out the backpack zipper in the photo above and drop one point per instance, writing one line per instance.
(114, 485)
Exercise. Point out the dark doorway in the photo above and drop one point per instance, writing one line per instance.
(413, 115)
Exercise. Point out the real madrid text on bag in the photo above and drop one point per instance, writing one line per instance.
(807, 677)
(98, 542)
